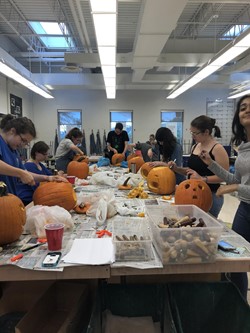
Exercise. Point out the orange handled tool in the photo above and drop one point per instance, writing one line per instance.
(103, 232)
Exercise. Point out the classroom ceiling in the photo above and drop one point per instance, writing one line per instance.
(159, 42)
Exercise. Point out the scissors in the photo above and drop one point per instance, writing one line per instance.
(103, 232)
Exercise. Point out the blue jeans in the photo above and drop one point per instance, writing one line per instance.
(217, 204)
(241, 225)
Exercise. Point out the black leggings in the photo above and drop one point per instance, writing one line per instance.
(241, 225)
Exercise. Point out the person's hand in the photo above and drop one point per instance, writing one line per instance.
(223, 189)
(193, 174)
(115, 151)
(155, 164)
(150, 153)
(27, 178)
(58, 179)
(172, 165)
(61, 173)
(206, 158)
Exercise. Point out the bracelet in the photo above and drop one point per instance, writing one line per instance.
(205, 179)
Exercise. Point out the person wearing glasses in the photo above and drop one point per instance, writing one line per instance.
(39, 153)
(17, 133)
(204, 131)
(68, 148)
(239, 181)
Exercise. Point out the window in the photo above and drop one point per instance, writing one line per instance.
(124, 117)
(68, 119)
(174, 121)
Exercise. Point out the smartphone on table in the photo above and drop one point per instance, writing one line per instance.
(227, 247)
(51, 259)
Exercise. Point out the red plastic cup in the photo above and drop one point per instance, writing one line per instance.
(71, 179)
(54, 234)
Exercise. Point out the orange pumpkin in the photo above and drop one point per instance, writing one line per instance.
(161, 180)
(55, 194)
(78, 169)
(12, 216)
(139, 161)
(131, 156)
(145, 168)
(81, 158)
(194, 192)
(117, 159)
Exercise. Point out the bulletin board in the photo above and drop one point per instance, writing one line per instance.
(223, 112)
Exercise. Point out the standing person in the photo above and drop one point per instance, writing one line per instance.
(16, 133)
(117, 141)
(38, 154)
(239, 181)
(170, 150)
(151, 140)
(68, 148)
(201, 129)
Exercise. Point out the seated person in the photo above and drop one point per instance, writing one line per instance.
(38, 154)
(148, 152)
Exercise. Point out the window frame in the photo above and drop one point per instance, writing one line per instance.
(69, 126)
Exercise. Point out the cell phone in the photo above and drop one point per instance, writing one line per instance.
(51, 259)
(225, 246)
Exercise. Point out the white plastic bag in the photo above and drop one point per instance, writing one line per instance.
(37, 216)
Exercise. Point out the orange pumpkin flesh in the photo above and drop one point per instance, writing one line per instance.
(55, 194)
(117, 159)
(145, 168)
(78, 169)
(12, 216)
(161, 180)
(139, 161)
(194, 192)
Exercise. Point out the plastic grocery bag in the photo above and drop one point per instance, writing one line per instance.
(37, 216)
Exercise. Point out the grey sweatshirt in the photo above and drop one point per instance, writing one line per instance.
(242, 172)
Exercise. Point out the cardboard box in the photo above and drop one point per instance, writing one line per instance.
(64, 307)
(18, 298)
(184, 245)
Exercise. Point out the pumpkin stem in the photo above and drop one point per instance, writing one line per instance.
(3, 189)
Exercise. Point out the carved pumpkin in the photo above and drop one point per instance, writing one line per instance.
(194, 192)
(139, 161)
(117, 159)
(81, 158)
(78, 169)
(161, 180)
(12, 216)
(55, 194)
(131, 156)
(145, 168)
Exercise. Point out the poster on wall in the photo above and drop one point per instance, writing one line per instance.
(16, 106)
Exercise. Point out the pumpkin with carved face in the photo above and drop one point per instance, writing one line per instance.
(194, 192)
(161, 180)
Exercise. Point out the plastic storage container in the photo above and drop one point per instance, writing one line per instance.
(208, 307)
(132, 239)
(184, 245)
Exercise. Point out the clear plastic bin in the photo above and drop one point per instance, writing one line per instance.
(132, 239)
(184, 245)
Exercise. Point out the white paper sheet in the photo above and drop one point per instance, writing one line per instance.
(91, 251)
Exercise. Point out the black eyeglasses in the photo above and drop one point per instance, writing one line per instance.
(24, 141)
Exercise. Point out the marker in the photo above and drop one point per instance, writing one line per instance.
(171, 166)
(17, 257)
(31, 247)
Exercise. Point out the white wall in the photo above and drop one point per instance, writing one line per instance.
(146, 107)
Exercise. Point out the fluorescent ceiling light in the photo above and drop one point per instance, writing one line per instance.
(239, 45)
(109, 71)
(239, 94)
(105, 29)
(107, 55)
(104, 14)
(28, 83)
